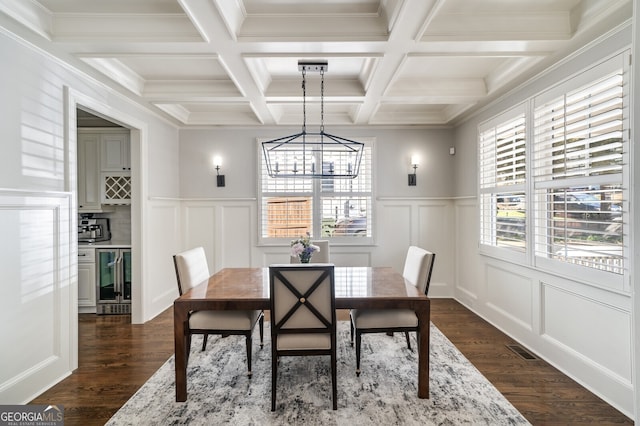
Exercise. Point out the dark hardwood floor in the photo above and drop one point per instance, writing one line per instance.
(116, 358)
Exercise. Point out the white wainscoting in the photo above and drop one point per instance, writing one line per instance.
(582, 330)
(466, 252)
(424, 222)
(508, 295)
(38, 295)
(162, 241)
(228, 230)
(238, 235)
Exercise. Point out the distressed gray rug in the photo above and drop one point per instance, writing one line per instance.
(385, 393)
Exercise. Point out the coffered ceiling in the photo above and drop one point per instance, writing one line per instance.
(390, 62)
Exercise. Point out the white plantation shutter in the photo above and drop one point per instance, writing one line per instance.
(571, 143)
(502, 168)
(580, 133)
(579, 164)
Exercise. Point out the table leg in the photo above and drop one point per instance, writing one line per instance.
(423, 311)
(179, 318)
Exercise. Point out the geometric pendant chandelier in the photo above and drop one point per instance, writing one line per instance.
(312, 154)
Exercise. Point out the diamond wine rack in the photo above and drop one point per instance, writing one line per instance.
(117, 188)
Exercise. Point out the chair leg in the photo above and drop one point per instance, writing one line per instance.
(406, 334)
(248, 339)
(204, 341)
(334, 379)
(351, 326)
(274, 376)
(261, 326)
(358, 344)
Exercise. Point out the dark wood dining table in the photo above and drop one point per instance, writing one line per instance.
(248, 288)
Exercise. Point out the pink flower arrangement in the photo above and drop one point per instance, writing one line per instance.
(303, 248)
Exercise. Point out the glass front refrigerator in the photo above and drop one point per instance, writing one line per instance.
(113, 281)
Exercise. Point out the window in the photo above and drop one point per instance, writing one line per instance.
(579, 153)
(502, 181)
(338, 209)
(553, 177)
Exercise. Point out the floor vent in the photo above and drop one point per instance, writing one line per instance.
(522, 352)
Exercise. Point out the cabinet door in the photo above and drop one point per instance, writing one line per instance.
(87, 284)
(115, 155)
(89, 172)
(107, 274)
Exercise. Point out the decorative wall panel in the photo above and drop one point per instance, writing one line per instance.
(508, 294)
(575, 322)
(38, 291)
(159, 251)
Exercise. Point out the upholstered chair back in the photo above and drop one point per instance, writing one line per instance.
(302, 305)
(191, 268)
(418, 267)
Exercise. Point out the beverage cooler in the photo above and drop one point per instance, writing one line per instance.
(113, 281)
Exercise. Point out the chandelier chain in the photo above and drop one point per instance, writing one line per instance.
(304, 101)
(322, 101)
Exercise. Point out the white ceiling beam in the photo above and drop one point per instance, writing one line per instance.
(118, 72)
(31, 14)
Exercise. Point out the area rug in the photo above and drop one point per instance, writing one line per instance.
(386, 392)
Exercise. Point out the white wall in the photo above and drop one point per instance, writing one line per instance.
(38, 213)
(583, 330)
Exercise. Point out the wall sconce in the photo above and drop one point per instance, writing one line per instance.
(415, 162)
(217, 162)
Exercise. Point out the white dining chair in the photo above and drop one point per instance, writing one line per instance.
(418, 267)
(191, 270)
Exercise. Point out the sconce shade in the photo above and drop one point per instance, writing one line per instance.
(415, 162)
(217, 161)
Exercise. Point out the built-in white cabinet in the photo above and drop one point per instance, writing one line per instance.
(89, 173)
(86, 280)
(115, 153)
(104, 168)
